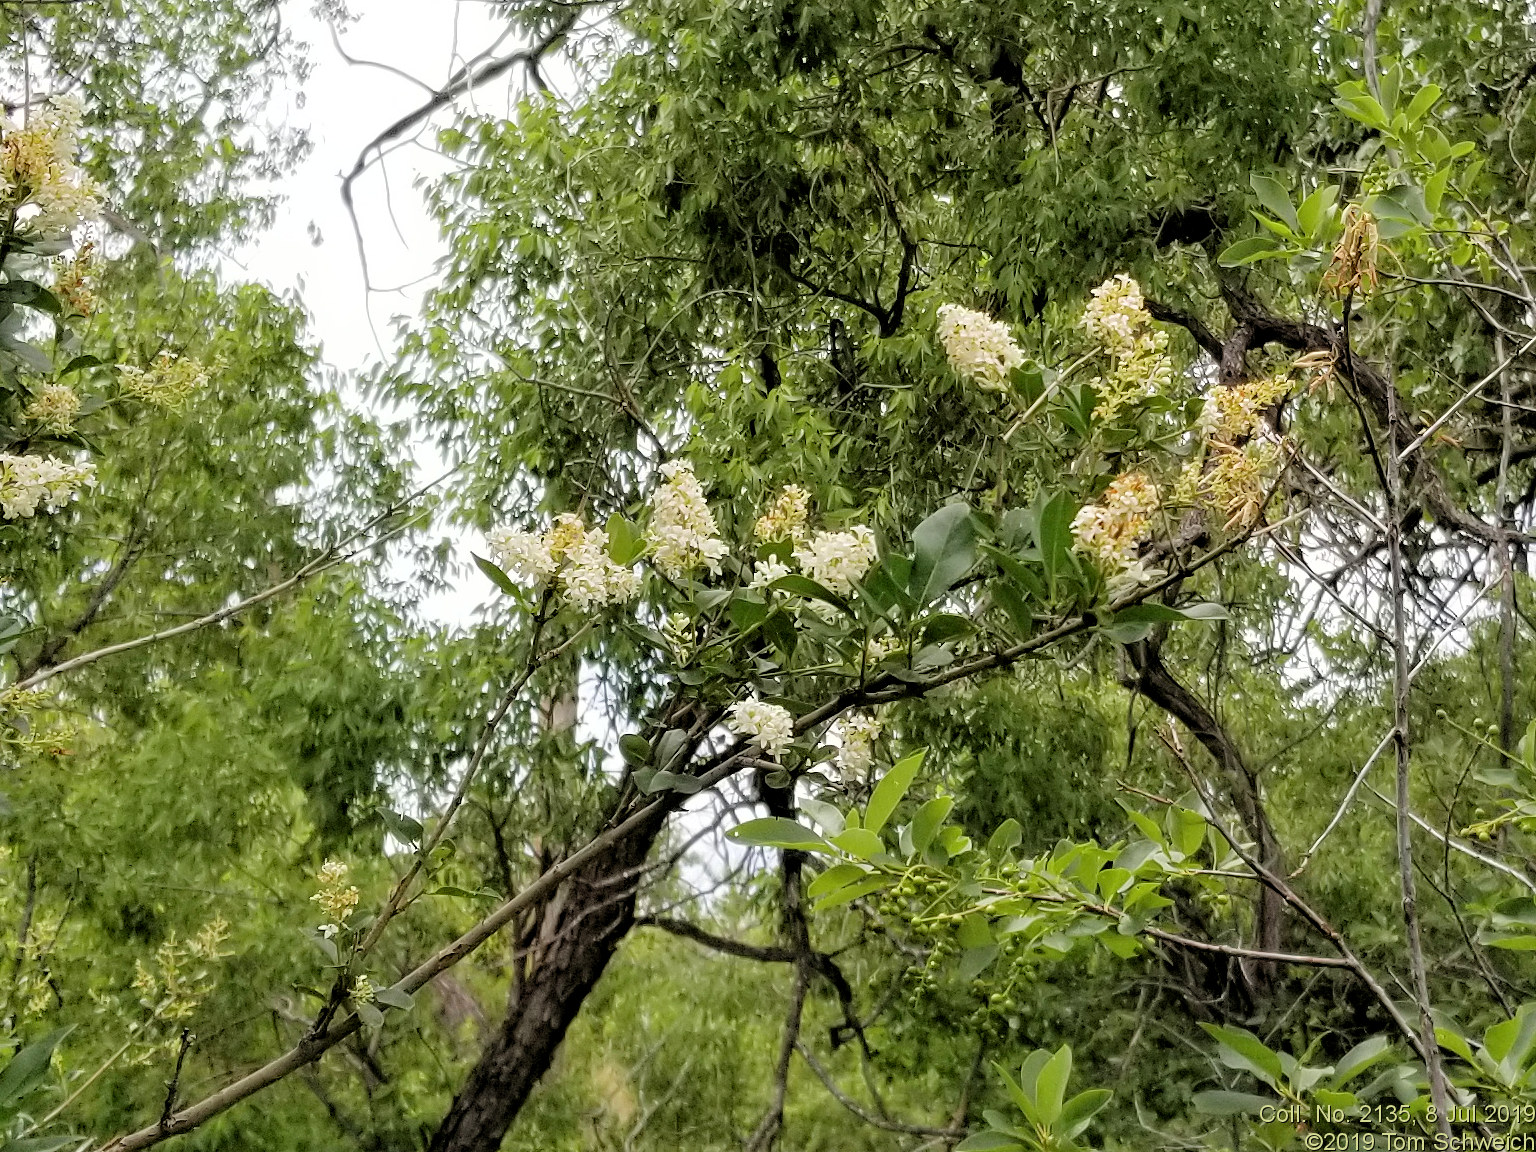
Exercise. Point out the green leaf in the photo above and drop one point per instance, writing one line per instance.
(1008, 836)
(989, 1142)
(860, 842)
(664, 781)
(944, 550)
(1316, 211)
(635, 749)
(395, 998)
(1053, 536)
(851, 892)
(369, 1014)
(834, 878)
(927, 821)
(1082, 1108)
(975, 961)
(1421, 103)
(827, 816)
(1359, 1058)
(495, 575)
(1248, 251)
(1051, 1085)
(777, 832)
(888, 793)
(974, 932)
(1277, 198)
(804, 586)
(1230, 1103)
(1246, 1052)
(625, 541)
(27, 1068)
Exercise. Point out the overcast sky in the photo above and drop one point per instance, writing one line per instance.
(311, 249)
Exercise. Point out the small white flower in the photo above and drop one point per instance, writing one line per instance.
(329, 930)
(765, 572)
(772, 725)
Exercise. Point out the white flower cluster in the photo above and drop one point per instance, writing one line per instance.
(575, 554)
(30, 482)
(1117, 318)
(856, 737)
(786, 516)
(771, 725)
(39, 178)
(837, 560)
(1112, 530)
(979, 347)
(682, 531)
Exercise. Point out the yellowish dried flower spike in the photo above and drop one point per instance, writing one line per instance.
(1353, 266)
(786, 516)
(169, 382)
(54, 409)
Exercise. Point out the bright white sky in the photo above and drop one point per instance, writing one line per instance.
(311, 249)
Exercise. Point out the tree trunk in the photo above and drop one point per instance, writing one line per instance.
(581, 929)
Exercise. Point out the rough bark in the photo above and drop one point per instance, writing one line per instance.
(580, 931)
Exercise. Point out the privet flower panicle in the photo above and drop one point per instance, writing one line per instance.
(39, 177)
(979, 347)
(838, 560)
(1234, 412)
(169, 382)
(786, 516)
(772, 725)
(765, 572)
(336, 897)
(682, 530)
(30, 482)
(54, 408)
(575, 554)
(362, 990)
(1117, 318)
(523, 554)
(591, 578)
(856, 735)
(1111, 531)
